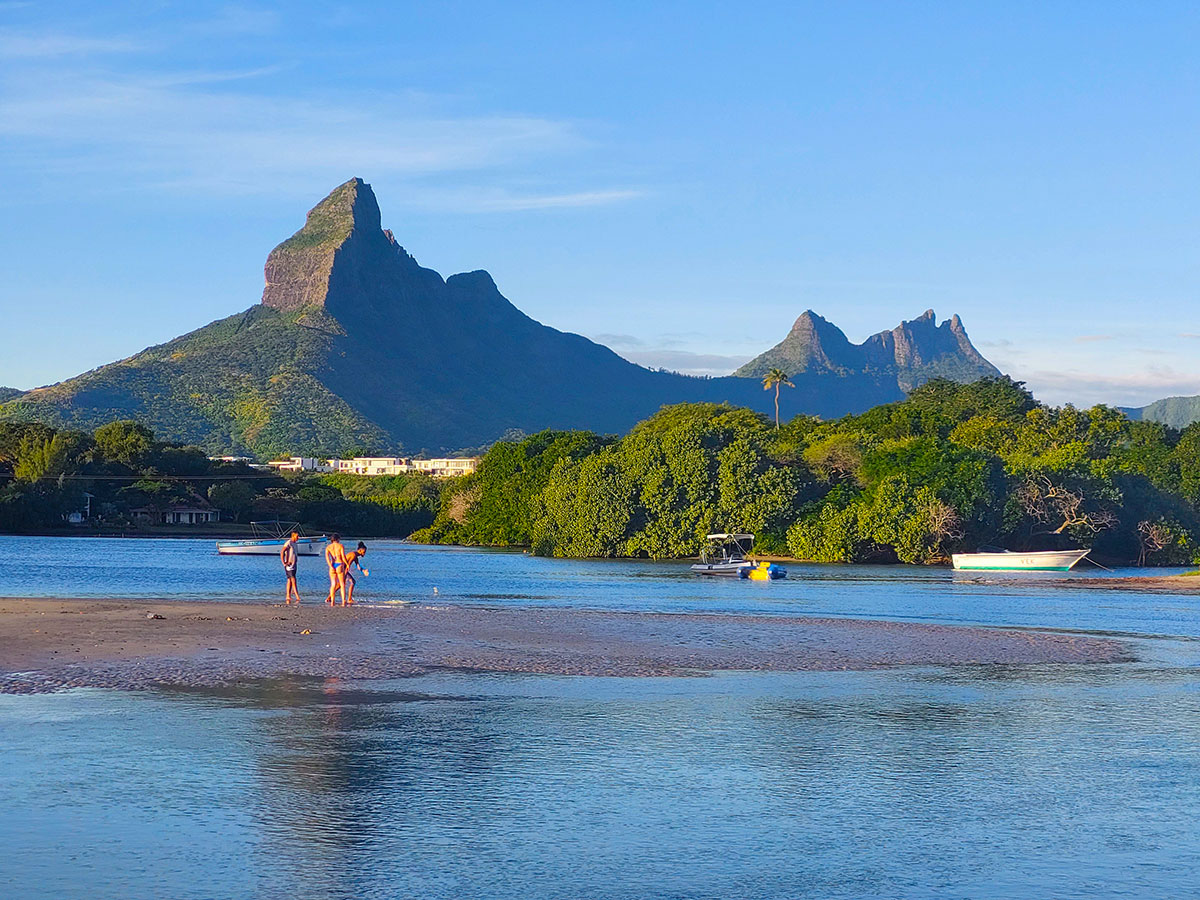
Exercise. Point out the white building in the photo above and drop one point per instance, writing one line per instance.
(380, 465)
(400, 465)
(374, 465)
(447, 468)
(304, 464)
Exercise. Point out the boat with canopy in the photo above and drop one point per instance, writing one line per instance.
(268, 540)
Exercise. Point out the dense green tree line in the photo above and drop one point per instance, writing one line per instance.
(951, 467)
(45, 475)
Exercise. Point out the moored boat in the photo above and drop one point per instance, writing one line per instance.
(725, 555)
(1033, 561)
(269, 540)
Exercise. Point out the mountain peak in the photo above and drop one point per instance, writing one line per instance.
(914, 351)
(813, 345)
(298, 270)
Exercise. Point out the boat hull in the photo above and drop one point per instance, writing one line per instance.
(1038, 561)
(721, 569)
(304, 547)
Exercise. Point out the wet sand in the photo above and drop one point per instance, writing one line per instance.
(51, 644)
(1174, 584)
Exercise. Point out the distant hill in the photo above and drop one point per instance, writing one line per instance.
(912, 352)
(7, 393)
(355, 345)
(1178, 412)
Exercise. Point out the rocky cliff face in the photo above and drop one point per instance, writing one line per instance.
(912, 352)
(354, 345)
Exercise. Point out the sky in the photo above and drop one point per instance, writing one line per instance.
(677, 180)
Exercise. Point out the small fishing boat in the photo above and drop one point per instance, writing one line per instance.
(724, 554)
(268, 540)
(1033, 561)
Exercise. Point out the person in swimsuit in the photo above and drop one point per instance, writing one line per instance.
(354, 558)
(335, 557)
(289, 557)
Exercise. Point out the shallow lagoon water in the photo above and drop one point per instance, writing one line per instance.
(1005, 782)
(192, 570)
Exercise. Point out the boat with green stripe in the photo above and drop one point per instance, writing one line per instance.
(1032, 561)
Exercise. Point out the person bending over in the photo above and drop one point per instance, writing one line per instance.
(354, 558)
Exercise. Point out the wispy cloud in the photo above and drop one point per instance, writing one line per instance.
(686, 361)
(24, 45)
(1131, 389)
(619, 341)
(1094, 338)
(495, 199)
(236, 132)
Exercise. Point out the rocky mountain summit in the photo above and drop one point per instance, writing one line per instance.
(913, 352)
(354, 345)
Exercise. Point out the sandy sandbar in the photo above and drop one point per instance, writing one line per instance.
(50, 644)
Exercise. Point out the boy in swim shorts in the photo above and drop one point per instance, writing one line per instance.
(289, 557)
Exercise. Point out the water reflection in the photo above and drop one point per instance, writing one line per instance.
(1066, 782)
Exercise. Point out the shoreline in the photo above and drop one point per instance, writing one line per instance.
(48, 645)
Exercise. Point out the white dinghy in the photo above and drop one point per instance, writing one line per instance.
(268, 540)
(1034, 561)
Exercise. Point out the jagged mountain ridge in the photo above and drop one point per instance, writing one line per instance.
(355, 345)
(913, 352)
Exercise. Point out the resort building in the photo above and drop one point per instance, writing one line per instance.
(374, 465)
(305, 464)
(447, 468)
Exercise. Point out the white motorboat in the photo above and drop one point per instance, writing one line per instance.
(1034, 561)
(268, 540)
(725, 554)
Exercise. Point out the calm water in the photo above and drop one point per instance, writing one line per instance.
(1065, 782)
(191, 569)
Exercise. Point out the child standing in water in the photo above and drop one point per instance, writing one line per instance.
(335, 558)
(354, 558)
(289, 557)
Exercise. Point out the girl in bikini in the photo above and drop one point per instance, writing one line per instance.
(335, 557)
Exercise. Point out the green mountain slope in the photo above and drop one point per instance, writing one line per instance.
(1178, 412)
(355, 345)
(248, 382)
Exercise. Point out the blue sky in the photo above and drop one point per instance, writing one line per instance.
(679, 180)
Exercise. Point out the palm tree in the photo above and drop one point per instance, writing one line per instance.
(776, 378)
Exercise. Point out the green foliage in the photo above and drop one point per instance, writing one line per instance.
(687, 471)
(126, 442)
(234, 498)
(494, 506)
(42, 458)
(44, 474)
(952, 467)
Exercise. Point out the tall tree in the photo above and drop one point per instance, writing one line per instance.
(776, 378)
